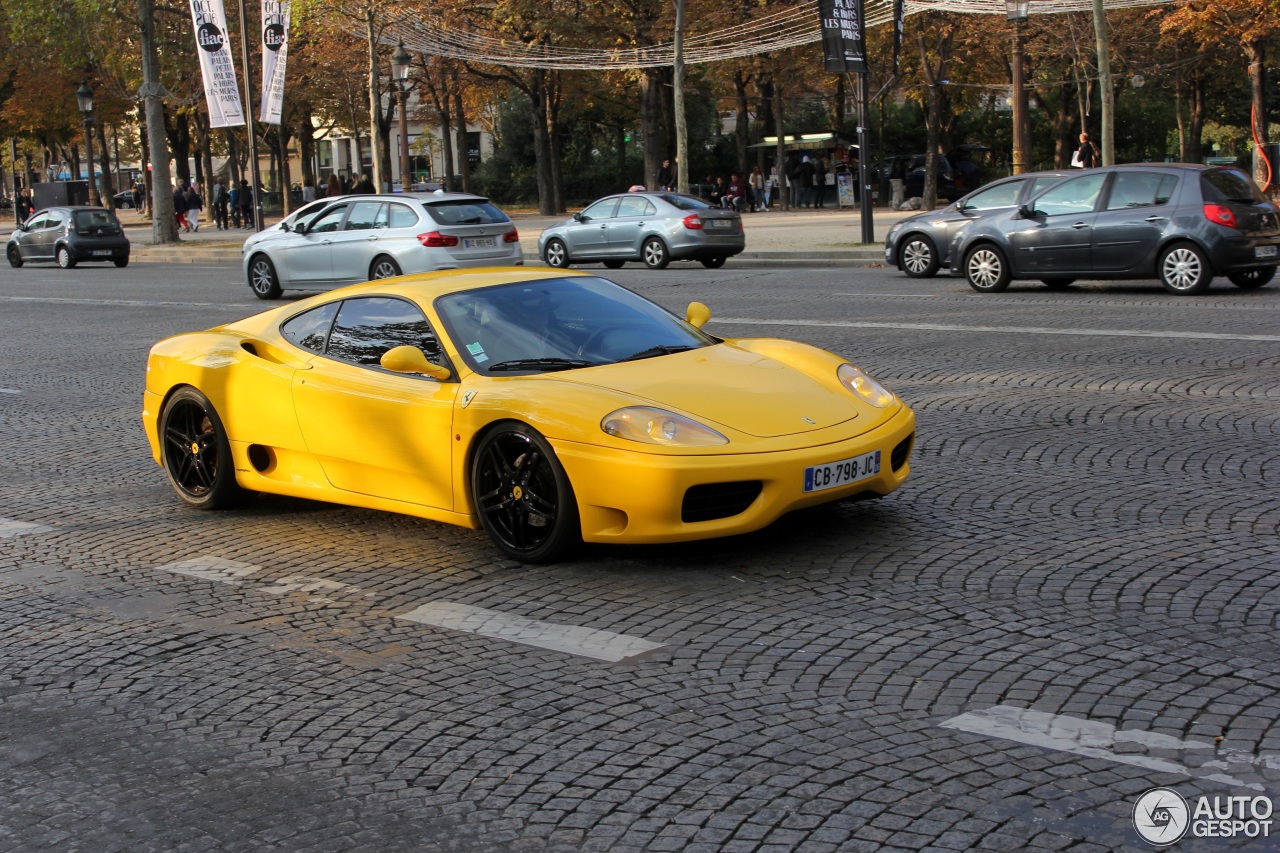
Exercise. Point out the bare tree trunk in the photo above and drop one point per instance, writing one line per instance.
(541, 143)
(933, 75)
(650, 126)
(1255, 51)
(105, 191)
(780, 152)
(163, 227)
(464, 147)
(204, 138)
(742, 131)
(377, 134)
(307, 146)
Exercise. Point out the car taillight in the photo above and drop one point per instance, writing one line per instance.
(693, 221)
(512, 236)
(434, 239)
(1220, 214)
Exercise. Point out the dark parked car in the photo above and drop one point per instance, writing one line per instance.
(1180, 223)
(69, 235)
(124, 200)
(918, 245)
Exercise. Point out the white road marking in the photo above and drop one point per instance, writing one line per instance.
(10, 527)
(308, 585)
(571, 639)
(1095, 739)
(212, 569)
(9, 391)
(1017, 330)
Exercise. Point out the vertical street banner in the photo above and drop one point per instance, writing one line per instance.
(216, 65)
(275, 50)
(899, 26)
(842, 38)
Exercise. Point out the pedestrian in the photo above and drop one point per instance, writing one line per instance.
(25, 206)
(716, 196)
(364, 186)
(180, 207)
(734, 193)
(820, 182)
(805, 173)
(756, 181)
(1087, 155)
(308, 190)
(195, 203)
(219, 203)
(792, 173)
(897, 182)
(770, 186)
(137, 196)
(233, 202)
(666, 180)
(245, 202)
(335, 187)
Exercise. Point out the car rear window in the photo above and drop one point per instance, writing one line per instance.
(1229, 185)
(685, 202)
(89, 220)
(465, 212)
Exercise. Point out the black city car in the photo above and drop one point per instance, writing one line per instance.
(1180, 223)
(68, 236)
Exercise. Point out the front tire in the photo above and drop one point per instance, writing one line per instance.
(522, 495)
(613, 265)
(196, 453)
(66, 260)
(655, 254)
(713, 263)
(15, 257)
(383, 267)
(556, 254)
(919, 258)
(1184, 270)
(1057, 283)
(986, 269)
(1249, 279)
(262, 278)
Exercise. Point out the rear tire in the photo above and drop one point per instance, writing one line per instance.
(556, 254)
(121, 262)
(15, 257)
(262, 278)
(986, 269)
(613, 265)
(1184, 270)
(655, 254)
(196, 453)
(919, 259)
(66, 260)
(1058, 283)
(1249, 279)
(383, 267)
(713, 263)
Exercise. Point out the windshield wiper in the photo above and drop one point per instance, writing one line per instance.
(541, 363)
(660, 349)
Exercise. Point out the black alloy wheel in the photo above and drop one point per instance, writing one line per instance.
(262, 278)
(196, 452)
(15, 256)
(1249, 279)
(918, 257)
(383, 267)
(522, 495)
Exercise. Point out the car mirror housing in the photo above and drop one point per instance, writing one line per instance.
(1027, 211)
(410, 359)
(284, 226)
(578, 217)
(697, 314)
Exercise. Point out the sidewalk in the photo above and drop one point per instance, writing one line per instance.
(824, 236)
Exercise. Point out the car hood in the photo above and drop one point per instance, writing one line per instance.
(729, 386)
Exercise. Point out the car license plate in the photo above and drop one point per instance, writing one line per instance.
(478, 242)
(1264, 251)
(719, 223)
(101, 251)
(841, 473)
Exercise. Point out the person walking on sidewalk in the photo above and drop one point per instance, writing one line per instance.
(194, 205)
(180, 207)
(244, 202)
(756, 181)
(219, 202)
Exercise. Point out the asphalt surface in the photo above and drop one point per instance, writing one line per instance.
(1073, 599)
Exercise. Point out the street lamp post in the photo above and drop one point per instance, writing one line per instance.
(1017, 13)
(400, 73)
(84, 97)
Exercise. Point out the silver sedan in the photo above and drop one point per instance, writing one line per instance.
(655, 228)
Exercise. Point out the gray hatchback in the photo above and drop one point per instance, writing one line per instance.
(655, 228)
(67, 236)
(1181, 223)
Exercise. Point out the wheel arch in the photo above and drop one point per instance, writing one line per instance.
(1173, 239)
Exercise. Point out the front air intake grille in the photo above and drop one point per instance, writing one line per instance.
(718, 500)
(900, 453)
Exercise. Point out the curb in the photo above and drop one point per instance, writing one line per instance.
(859, 257)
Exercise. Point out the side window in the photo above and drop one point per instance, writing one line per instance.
(1073, 196)
(1038, 184)
(1004, 195)
(310, 329)
(329, 221)
(368, 327)
(402, 216)
(364, 216)
(602, 209)
(37, 222)
(53, 219)
(1134, 189)
(635, 206)
(1168, 183)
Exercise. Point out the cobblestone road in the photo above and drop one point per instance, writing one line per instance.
(1074, 599)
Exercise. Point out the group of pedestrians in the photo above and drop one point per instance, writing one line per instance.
(231, 208)
(752, 194)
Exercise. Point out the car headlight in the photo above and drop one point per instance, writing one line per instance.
(863, 386)
(657, 426)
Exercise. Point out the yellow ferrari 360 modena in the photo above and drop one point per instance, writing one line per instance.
(546, 407)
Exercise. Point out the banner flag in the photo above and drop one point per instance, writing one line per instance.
(842, 42)
(216, 65)
(899, 25)
(275, 50)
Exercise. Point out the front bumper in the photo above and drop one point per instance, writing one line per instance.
(633, 497)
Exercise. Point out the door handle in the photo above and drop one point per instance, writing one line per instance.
(1155, 219)
(372, 237)
(1080, 225)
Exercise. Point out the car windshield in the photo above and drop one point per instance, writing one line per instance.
(560, 324)
(465, 212)
(1229, 185)
(87, 220)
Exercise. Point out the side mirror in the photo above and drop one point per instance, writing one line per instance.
(284, 226)
(410, 359)
(1027, 211)
(578, 217)
(697, 315)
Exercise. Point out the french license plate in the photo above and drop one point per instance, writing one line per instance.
(478, 242)
(1264, 251)
(97, 252)
(719, 223)
(841, 473)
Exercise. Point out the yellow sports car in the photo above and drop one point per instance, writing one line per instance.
(547, 407)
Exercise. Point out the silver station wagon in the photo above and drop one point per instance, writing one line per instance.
(350, 239)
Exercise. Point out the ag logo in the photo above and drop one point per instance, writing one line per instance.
(273, 37)
(1161, 816)
(209, 37)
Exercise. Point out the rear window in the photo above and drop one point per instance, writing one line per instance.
(685, 202)
(465, 212)
(1229, 185)
(88, 220)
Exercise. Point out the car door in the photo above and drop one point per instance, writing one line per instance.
(307, 258)
(628, 225)
(356, 244)
(28, 239)
(375, 432)
(1133, 218)
(44, 234)
(587, 236)
(1058, 238)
